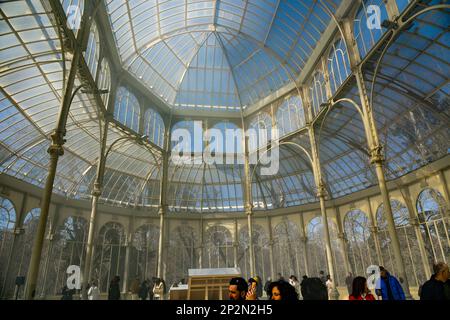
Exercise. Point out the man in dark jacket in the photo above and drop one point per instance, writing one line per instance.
(389, 287)
(114, 289)
(433, 289)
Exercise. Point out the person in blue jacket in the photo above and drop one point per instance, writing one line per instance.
(389, 288)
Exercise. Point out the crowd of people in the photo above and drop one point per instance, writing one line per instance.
(387, 287)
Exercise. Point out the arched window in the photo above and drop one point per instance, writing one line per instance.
(290, 115)
(7, 215)
(104, 80)
(110, 254)
(357, 231)
(317, 249)
(430, 205)
(399, 211)
(317, 91)
(92, 53)
(154, 127)
(367, 28)
(288, 256)
(74, 11)
(260, 250)
(338, 65)
(431, 208)
(218, 252)
(182, 253)
(145, 250)
(260, 131)
(127, 109)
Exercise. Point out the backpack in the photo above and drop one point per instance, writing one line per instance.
(314, 289)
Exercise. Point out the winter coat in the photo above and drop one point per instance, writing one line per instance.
(396, 288)
(114, 291)
(432, 290)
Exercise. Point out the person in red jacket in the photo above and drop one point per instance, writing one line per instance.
(360, 290)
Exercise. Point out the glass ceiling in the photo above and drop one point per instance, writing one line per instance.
(211, 54)
(224, 54)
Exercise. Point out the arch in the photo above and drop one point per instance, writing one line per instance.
(7, 215)
(127, 109)
(218, 250)
(260, 131)
(109, 254)
(431, 208)
(407, 239)
(92, 53)
(399, 211)
(144, 254)
(154, 127)
(260, 249)
(316, 245)
(430, 204)
(287, 250)
(182, 253)
(367, 37)
(360, 242)
(104, 80)
(290, 115)
(338, 65)
(317, 90)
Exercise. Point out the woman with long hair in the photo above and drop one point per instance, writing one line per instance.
(282, 290)
(360, 291)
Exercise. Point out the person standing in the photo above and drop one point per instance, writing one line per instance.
(134, 289)
(434, 289)
(114, 289)
(143, 290)
(322, 277)
(94, 292)
(158, 289)
(266, 286)
(293, 281)
(329, 284)
(389, 287)
(360, 291)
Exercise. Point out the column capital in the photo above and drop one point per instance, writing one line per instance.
(373, 229)
(376, 154)
(321, 190)
(304, 239)
(248, 208)
(271, 242)
(97, 190)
